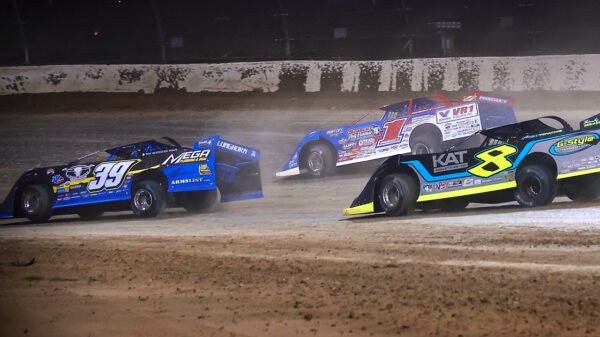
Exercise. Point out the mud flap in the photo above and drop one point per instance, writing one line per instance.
(237, 171)
(7, 207)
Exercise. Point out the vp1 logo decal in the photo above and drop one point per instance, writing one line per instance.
(574, 144)
(392, 132)
(457, 113)
(493, 161)
(109, 175)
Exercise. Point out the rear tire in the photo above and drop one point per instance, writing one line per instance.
(425, 143)
(536, 186)
(148, 199)
(585, 188)
(397, 194)
(198, 201)
(36, 203)
(320, 160)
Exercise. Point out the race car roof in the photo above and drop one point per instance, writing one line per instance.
(530, 127)
(420, 103)
(131, 150)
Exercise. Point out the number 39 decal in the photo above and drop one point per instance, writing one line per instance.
(109, 175)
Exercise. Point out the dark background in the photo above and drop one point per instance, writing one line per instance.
(130, 31)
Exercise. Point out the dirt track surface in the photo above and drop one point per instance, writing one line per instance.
(288, 264)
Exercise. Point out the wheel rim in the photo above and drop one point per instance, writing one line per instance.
(315, 162)
(421, 148)
(31, 202)
(532, 186)
(391, 195)
(142, 199)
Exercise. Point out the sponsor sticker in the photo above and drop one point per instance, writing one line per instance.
(456, 113)
(428, 188)
(455, 183)
(591, 122)
(493, 99)
(449, 161)
(188, 157)
(78, 172)
(187, 181)
(542, 134)
(158, 152)
(57, 179)
(574, 144)
(233, 147)
(366, 142)
(334, 132)
(204, 143)
(439, 186)
(203, 169)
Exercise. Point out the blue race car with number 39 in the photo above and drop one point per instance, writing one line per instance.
(421, 125)
(530, 162)
(144, 177)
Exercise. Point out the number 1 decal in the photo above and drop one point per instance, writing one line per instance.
(392, 132)
(493, 161)
(109, 175)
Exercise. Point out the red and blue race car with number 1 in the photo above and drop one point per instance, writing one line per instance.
(421, 125)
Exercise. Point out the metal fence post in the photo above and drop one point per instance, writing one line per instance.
(159, 31)
(21, 31)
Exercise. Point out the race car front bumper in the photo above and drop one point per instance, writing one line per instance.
(360, 209)
(291, 172)
(6, 215)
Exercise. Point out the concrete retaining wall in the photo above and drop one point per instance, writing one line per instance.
(559, 73)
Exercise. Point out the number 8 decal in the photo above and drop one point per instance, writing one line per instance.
(109, 175)
(493, 161)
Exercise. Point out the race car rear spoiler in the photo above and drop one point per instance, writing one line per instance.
(237, 169)
(592, 122)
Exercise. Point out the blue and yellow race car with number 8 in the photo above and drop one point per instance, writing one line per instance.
(530, 162)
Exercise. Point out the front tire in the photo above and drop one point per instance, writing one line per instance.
(320, 160)
(198, 201)
(536, 186)
(36, 203)
(148, 199)
(397, 194)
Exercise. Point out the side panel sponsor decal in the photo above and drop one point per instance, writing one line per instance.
(574, 144)
(187, 157)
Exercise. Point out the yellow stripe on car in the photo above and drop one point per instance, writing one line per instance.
(68, 184)
(579, 173)
(146, 169)
(362, 209)
(468, 191)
